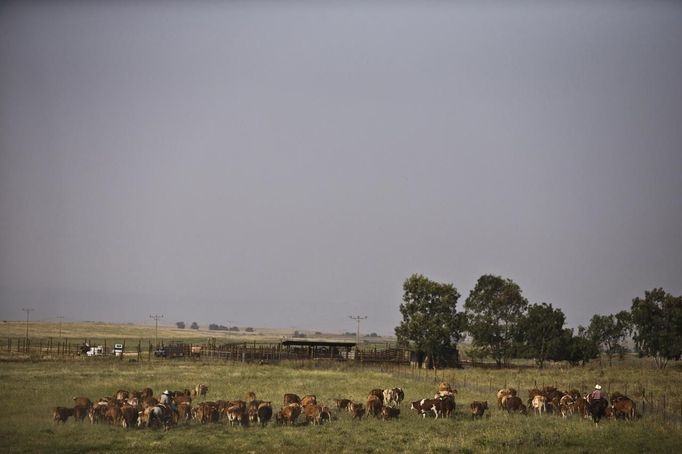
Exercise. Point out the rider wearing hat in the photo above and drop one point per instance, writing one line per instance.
(597, 393)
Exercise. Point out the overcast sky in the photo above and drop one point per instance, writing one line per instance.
(288, 164)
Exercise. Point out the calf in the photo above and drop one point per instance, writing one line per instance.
(478, 409)
(342, 404)
(445, 405)
(425, 407)
(289, 414)
(624, 408)
(357, 410)
(389, 413)
(61, 414)
(566, 405)
(539, 404)
(249, 396)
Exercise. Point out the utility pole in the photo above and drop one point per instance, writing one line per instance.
(156, 318)
(28, 311)
(357, 318)
(60, 325)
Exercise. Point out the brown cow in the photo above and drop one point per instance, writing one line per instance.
(146, 393)
(389, 413)
(513, 404)
(312, 413)
(377, 392)
(445, 405)
(61, 414)
(291, 399)
(184, 410)
(567, 406)
(249, 396)
(342, 404)
(237, 415)
(264, 413)
(502, 394)
(80, 412)
(623, 408)
(478, 409)
(129, 416)
(121, 394)
(112, 415)
(374, 405)
(289, 414)
(357, 410)
(252, 409)
(97, 411)
(200, 390)
(308, 399)
(444, 386)
(206, 412)
(82, 402)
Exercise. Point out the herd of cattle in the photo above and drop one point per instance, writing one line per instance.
(551, 400)
(143, 409)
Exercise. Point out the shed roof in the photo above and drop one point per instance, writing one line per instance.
(318, 342)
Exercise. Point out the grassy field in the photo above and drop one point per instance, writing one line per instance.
(32, 388)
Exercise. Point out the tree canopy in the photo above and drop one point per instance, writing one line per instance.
(657, 325)
(541, 333)
(430, 319)
(609, 332)
(493, 310)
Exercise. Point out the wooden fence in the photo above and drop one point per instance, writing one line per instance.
(144, 349)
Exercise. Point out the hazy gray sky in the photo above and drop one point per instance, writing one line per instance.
(288, 164)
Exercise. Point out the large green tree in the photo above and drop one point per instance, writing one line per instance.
(577, 348)
(430, 322)
(493, 311)
(657, 326)
(541, 332)
(609, 332)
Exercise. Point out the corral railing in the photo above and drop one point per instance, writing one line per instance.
(147, 349)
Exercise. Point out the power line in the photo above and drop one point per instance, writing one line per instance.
(156, 318)
(28, 311)
(357, 318)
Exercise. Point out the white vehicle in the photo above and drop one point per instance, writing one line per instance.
(118, 350)
(95, 351)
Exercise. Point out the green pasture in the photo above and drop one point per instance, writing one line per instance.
(31, 389)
